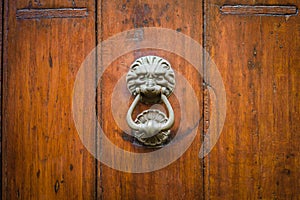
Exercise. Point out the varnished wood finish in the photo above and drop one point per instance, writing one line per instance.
(257, 156)
(258, 153)
(183, 179)
(1, 61)
(43, 157)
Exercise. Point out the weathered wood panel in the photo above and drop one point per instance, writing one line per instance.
(257, 156)
(183, 179)
(43, 157)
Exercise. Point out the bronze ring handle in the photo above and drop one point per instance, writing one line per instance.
(151, 128)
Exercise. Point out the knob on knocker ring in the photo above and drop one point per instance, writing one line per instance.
(151, 80)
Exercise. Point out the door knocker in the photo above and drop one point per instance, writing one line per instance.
(151, 80)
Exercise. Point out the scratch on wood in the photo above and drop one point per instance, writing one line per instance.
(50, 61)
(51, 13)
(268, 10)
(56, 186)
(206, 109)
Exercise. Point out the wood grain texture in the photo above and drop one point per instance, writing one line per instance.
(51, 13)
(44, 4)
(257, 156)
(1, 68)
(258, 10)
(182, 179)
(43, 157)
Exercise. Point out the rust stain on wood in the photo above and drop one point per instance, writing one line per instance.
(52, 13)
(273, 10)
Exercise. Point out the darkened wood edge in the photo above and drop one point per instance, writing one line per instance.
(4, 89)
(267, 10)
(51, 13)
(1, 79)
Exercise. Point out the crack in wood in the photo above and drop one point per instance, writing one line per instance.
(51, 13)
(268, 10)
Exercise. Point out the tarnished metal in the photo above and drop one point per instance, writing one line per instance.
(151, 79)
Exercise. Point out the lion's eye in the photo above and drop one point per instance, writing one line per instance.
(142, 77)
(160, 78)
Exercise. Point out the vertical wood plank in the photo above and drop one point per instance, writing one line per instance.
(182, 179)
(1, 68)
(43, 157)
(257, 156)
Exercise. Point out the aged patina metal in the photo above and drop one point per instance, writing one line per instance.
(151, 80)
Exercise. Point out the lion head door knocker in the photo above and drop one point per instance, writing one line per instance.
(151, 80)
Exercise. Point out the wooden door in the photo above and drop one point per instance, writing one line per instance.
(255, 47)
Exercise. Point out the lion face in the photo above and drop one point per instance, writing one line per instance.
(150, 76)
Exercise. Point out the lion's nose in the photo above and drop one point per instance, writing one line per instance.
(151, 89)
(150, 83)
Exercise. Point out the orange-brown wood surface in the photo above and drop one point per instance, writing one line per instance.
(1, 50)
(44, 44)
(43, 157)
(183, 179)
(257, 155)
